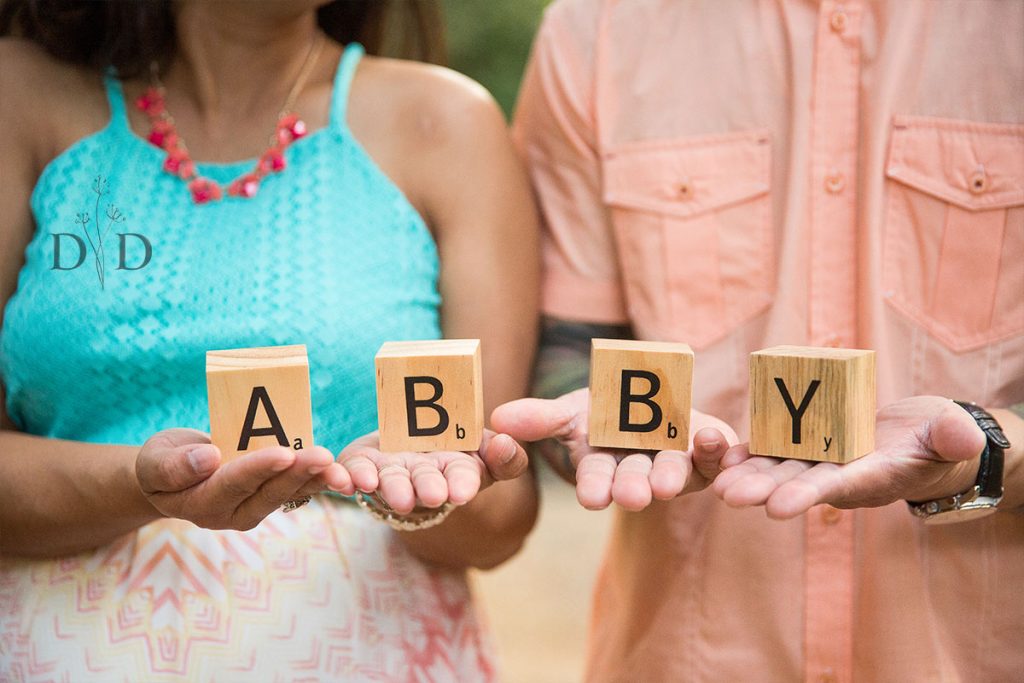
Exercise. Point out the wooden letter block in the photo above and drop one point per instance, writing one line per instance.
(812, 403)
(430, 395)
(640, 394)
(258, 398)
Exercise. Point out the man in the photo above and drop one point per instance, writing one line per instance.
(737, 175)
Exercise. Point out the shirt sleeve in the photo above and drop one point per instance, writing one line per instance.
(555, 131)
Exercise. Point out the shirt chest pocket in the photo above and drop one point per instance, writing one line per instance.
(954, 229)
(693, 225)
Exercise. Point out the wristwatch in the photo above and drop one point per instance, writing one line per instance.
(983, 499)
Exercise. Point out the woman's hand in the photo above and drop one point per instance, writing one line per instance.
(180, 473)
(407, 479)
(631, 479)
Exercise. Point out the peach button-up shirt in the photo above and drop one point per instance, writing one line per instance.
(740, 174)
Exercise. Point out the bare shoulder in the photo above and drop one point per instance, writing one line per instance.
(429, 107)
(51, 102)
(431, 129)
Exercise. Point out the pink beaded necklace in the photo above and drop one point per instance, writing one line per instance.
(178, 162)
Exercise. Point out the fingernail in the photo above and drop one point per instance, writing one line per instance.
(317, 469)
(710, 446)
(506, 457)
(202, 459)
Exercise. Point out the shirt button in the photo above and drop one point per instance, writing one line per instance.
(838, 20)
(835, 182)
(827, 676)
(685, 189)
(978, 182)
(833, 341)
(830, 515)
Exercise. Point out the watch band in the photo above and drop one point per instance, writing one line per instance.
(990, 469)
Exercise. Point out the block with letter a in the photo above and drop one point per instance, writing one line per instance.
(430, 395)
(640, 393)
(812, 403)
(259, 397)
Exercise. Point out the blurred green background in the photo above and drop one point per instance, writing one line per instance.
(489, 40)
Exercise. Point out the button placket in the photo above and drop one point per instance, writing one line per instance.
(828, 607)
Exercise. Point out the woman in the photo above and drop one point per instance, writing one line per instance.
(387, 205)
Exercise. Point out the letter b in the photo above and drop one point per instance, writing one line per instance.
(412, 404)
(627, 397)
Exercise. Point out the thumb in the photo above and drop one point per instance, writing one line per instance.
(504, 457)
(535, 419)
(709, 447)
(954, 435)
(161, 468)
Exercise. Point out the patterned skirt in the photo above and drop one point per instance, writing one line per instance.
(321, 594)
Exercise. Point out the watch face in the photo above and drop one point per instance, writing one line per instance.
(962, 515)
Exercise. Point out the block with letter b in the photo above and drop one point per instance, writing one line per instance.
(430, 395)
(812, 403)
(259, 397)
(640, 394)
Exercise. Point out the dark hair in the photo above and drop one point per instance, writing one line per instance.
(131, 34)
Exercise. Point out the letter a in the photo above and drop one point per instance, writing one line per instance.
(259, 395)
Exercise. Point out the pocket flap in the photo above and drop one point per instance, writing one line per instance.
(688, 176)
(973, 165)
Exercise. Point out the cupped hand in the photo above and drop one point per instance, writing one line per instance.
(631, 479)
(407, 479)
(181, 474)
(926, 447)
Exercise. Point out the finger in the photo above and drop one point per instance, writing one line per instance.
(361, 470)
(732, 474)
(464, 478)
(534, 419)
(309, 463)
(709, 447)
(954, 435)
(669, 474)
(429, 485)
(396, 488)
(736, 455)
(594, 476)
(631, 487)
(170, 469)
(504, 457)
(235, 481)
(755, 488)
(337, 479)
(822, 483)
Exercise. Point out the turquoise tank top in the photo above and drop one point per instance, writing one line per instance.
(329, 253)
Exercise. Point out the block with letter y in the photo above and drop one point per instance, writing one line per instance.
(812, 403)
(640, 394)
(430, 395)
(259, 397)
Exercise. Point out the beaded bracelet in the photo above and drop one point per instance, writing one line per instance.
(414, 521)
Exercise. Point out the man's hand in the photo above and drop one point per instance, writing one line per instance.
(926, 447)
(181, 474)
(631, 479)
(406, 479)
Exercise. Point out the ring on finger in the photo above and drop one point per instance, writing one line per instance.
(296, 503)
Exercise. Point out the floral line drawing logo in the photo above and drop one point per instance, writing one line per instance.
(95, 232)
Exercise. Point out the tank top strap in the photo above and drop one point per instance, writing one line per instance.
(115, 97)
(343, 82)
